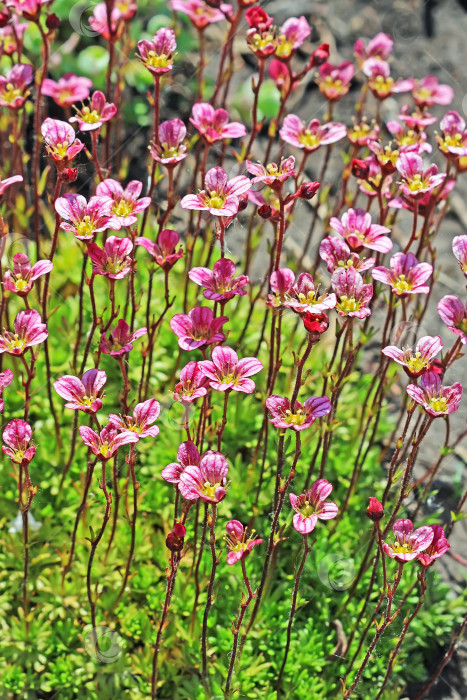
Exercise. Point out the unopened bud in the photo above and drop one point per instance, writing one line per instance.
(375, 510)
(319, 56)
(307, 190)
(360, 169)
(4, 18)
(265, 211)
(316, 323)
(52, 22)
(242, 202)
(69, 174)
(175, 539)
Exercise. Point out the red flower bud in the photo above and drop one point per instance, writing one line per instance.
(4, 18)
(375, 510)
(258, 18)
(319, 56)
(242, 202)
(213, 3)
(52, 21)
(174, 540)
(265, 211)
(360, 169)
(307, 190)
(68, 174)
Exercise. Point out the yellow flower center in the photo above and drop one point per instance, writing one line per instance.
(85, 227)
(21, 284)
(10, 93)
(308, 139)
(210, 489)
(158, 60)
(402, 547)
(348, 305)
(438, 404)
(297, 418)
(284, 48)
(60, 149)
(16, 342)
(401, 285)
(382, 85)
(215, 200)
(89, 116)
(122, 208)
(417, 183)
(416, 363)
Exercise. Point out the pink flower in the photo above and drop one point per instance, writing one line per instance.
(420, 361)
(106, 443)
(295, 132)
(165, 251)
(207, 480)
(273, 175)
(362, 133)
(415, 180)
(10, 35)
(292, 35)
(353, 296)
(408, 542)
(454, 314)
(408, 139)
(439, 546)
(419, 119)
(21, 279)
(334, 81)
(356, 227)
(100, 24)
(14, 86)
(213, 124)
(191, 385)
(406, 275)
(379, 80)
(17, 436)
(158, 54)
(428, 91)
(453, 138)
(239, 542)
(198, 328)
(144, 415)
(67, 90)
(126, 203)
(82, 394)
(94, 115)
(30, 9)
(459, 248)
(187, 455)
(304, 296)
(226, 372)
(336, 253)
(120, 340)
(220, 196)
(112, 261)
(61, 142)
(435, 399)
(5, 184)
(303, 415)
(170, 149)
(28, 331)
(312, 506)
(6, 377)
(220, 282)
(379, 47)
(201, 13)
(85, 219)
(281, 283)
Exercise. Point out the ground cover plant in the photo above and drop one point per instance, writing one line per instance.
(218, 363)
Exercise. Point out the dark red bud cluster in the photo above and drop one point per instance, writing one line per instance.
(360, 169)
(52, 22)
(265, 211)
(175, 539)
(68, 175)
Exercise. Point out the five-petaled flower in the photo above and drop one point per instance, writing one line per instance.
(239, 541)
(198, 328)
(157, 54)
(201, 13)
(171, 148)
(144, 415)
(419, 361)
(220, 283)
(416, 180)
(6, 377)
(272, 174)
(405, 275)
(356, 227)
(191, 385)
(312, 506)
(213, 124)
(353, 296)
(85, 219)
(428, 91)
(301, 417)
(291, 36)
(120, 340)
(187, 455)
(125, 201)
(459, 248)
(106, 443)
(408, 543)
(310, 137)
(67, 90)
(14, 86)
(83, 394)
(453, 138)
(281, 283)
(112, 261)
(453, 312)
(164, 251)
(206, 480)
(435, 399)
(226, 372)
(304, 296)
(439, 546)
(21, 279)
(28, 331)
(94, 115)
(334, 81)
(17, 436)
(220, 196)
(61, 142)
(336, 254)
